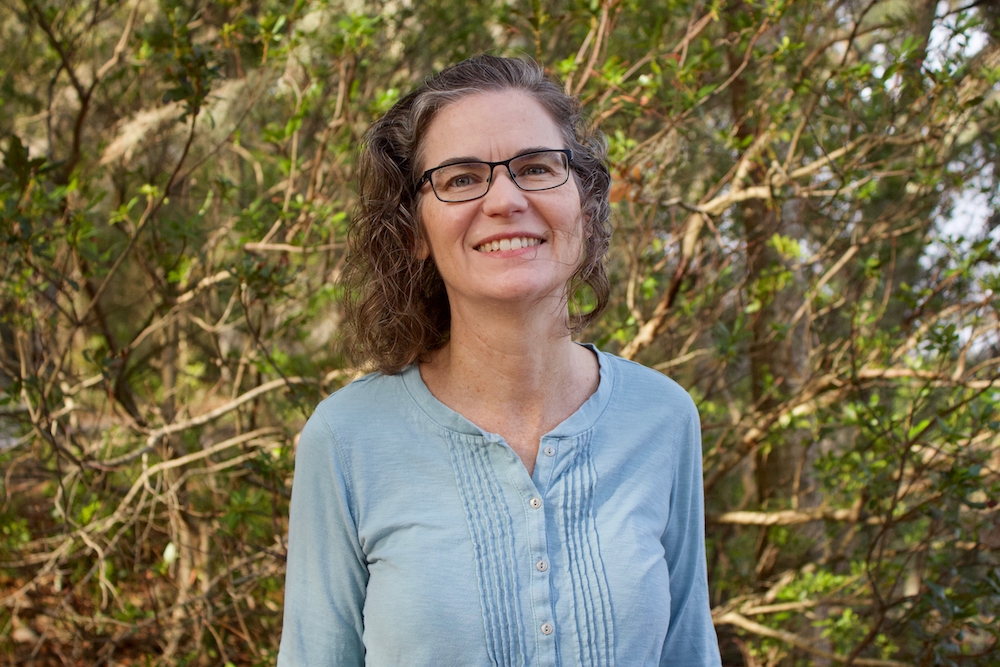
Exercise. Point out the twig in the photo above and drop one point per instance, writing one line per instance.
(740, 621)
(120, 46)
(176, 427)
(789, 517)
(148, 214)
(287, 247)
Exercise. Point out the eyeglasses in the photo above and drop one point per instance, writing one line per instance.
(465, 181)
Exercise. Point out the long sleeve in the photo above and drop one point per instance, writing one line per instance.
(691, 639)
(419, 539)
(327, 573)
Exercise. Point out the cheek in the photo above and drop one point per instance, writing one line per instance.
(582, 233)
(422, 247)
(439, 229)
(574, 222)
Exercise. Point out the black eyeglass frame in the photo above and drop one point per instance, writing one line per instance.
(426, 178)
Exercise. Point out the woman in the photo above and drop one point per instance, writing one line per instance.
(497, 494)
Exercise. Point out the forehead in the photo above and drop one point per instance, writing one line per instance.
(488, 126)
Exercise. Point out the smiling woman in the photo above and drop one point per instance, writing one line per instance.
(399, 307)
(485, 206)
(495, 494)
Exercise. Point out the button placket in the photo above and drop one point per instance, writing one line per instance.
(537, 507)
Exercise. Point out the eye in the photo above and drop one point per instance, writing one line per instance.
(534, 169)
(539, 170)
(461, 181)
(459, 177)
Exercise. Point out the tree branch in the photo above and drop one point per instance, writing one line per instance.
(156, 435)
(789, 517)
(740, 621)
(119, 47)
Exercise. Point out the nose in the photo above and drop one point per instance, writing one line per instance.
(503, 196)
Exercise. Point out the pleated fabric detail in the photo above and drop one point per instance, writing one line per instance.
(492, 534)
(591, 596)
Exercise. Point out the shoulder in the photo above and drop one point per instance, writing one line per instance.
(356, 412)
(645, 387)
(651, 421)
(364, 393)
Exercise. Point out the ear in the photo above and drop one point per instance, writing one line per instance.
(422, 250)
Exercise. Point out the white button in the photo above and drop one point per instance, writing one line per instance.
(535, 502)
(542, 566)
(550, 451)
(547, 628)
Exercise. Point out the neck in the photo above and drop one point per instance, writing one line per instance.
(506, 363)
(502, 364)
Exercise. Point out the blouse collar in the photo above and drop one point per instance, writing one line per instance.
(580, 421)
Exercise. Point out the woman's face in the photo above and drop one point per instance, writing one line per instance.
(460, 237)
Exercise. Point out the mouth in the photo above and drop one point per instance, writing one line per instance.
(515, 243)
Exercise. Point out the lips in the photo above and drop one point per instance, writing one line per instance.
(515, 243)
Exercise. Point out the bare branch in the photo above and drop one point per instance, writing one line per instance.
(119, 47)
(160, 433)
(790, 517)
(740, 621)
(287, 247)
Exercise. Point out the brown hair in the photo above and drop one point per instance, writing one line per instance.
(396, 303)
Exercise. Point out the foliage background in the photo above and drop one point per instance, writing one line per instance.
(805, 237)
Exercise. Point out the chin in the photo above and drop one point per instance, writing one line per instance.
(525, 293)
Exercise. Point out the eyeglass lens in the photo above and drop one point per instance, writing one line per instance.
(470, 180)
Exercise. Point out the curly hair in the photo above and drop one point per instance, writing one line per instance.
(396, 303)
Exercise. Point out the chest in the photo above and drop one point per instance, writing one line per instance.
(554, 568)
(524, 443)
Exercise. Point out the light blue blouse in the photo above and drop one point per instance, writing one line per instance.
(418, 539)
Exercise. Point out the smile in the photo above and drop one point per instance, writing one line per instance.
(515, 243)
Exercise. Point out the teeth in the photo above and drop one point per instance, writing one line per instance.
(515, 243)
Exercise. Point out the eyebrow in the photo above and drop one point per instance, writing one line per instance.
(467, 158)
